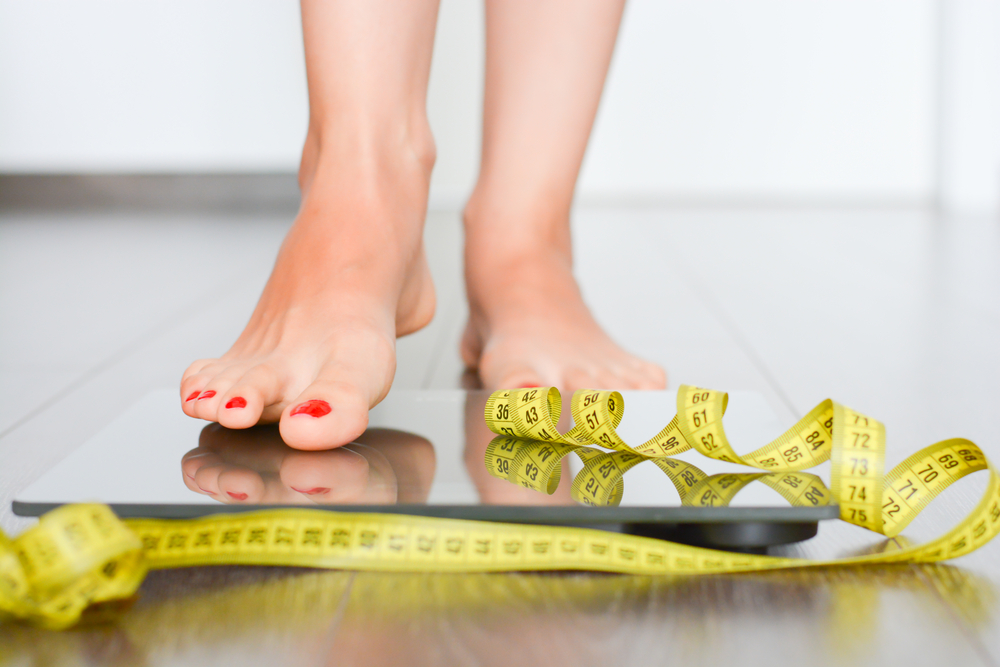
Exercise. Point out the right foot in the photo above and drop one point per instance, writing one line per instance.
(351, 276)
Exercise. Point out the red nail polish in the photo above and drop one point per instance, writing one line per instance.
(312, 492)
(238, 402)
(313, 408)
(205, 490)
(237, 496)
(193, 396)
(529, 386)
(207, 394)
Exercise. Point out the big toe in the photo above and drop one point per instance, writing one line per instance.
(325, 415)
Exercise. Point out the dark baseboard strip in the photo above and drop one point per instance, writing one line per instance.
(230, 193)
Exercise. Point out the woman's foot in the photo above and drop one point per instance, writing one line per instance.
(351, 276)
(528, 324)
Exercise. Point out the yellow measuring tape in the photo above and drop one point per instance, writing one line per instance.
(79, 555)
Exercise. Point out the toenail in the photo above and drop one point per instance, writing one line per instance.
(237, 496)
(204, 489)
(312, 492)
(208, 394)
(193, 396)
(313, 408)
(529, 386)
(238, 402)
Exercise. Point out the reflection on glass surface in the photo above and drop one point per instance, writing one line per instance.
(388, 465)
(538, 465)
(424, 450)
(493, 490)
(384, 466)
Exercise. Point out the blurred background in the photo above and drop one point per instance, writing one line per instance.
(860, 102)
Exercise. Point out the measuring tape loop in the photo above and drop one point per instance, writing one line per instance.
(537, 465)
(80, 555)
(853, 442)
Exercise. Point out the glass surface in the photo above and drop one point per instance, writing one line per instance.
(423, 453)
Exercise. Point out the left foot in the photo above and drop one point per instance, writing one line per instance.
(528, 324)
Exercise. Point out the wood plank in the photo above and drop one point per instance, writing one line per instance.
(867, 616)
(211, 617)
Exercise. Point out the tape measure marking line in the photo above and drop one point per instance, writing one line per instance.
(369, 542)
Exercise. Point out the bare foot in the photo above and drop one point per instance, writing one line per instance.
(528, 324)
(351, 276)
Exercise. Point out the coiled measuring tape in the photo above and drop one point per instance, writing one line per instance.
(79, 555)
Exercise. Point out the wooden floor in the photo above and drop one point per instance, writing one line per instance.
(893, 312)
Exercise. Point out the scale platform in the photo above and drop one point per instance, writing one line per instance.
(423, 454)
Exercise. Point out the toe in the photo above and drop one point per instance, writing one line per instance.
(206, 477)
(247, 400)
(206, 405)
(240, 485)
(333, 410)
(337, 476)
(193, 384)
(192, 462)
(517, 377)
(324, 416)
(521, 380)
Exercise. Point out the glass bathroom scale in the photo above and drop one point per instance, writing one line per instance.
(423, 454)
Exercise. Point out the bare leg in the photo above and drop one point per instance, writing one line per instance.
(351, 276)
(546, 61)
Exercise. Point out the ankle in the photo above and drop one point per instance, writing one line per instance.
(380, 153)
(511, 237)
(525, 218)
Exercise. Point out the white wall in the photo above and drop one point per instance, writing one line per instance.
(970, 106)
(150, 85)
(708, 100)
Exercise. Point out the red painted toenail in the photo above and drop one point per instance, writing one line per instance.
(238, 402)
(312, 492)
(208, 394)
(193, 396)
(237, 496)
(313, 408)
(529, 386)
(205, 490)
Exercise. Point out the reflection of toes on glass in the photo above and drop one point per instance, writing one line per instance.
(255, 466)
(312, 492)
